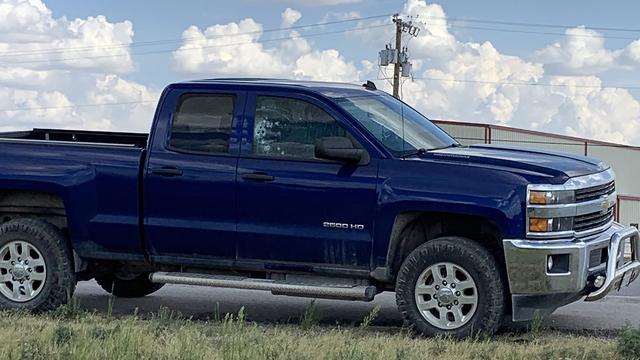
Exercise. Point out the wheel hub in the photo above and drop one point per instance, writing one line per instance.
(20, 271)
(446, 296)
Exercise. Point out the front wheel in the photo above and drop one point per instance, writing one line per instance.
(451, 286)
(128, 286)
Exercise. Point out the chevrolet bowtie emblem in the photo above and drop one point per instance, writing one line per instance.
(605, 205)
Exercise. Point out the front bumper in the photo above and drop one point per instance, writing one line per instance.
(536, 291)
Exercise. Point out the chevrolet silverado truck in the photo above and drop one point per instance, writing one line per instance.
(309, 189)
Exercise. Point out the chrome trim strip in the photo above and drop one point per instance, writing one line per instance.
(554, 236)
(579, 182)
(576, 209)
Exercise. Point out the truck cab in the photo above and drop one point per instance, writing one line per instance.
(309, 189)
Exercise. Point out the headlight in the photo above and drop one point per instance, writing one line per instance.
(551, 197)
(541, 225)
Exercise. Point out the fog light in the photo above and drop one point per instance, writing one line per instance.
(558, 264)
(599, 281)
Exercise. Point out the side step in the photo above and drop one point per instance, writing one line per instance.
(340, 292)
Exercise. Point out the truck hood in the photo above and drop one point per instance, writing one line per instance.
(557, 165)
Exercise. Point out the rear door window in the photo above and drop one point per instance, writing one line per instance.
(203, 124)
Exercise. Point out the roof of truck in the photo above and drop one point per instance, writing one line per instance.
(330, 89)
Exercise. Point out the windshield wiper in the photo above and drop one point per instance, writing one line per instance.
(422, 151)
(417, 152)
(445, 147)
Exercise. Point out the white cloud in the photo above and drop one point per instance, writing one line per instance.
(467, 81)
(236, 49)
(31, 37)
(227, 49)
(475, 82)
(581, 52)
(338, 16)
(457, 80)
(327, 65)
(289, 17)
(632, 52)
(40, 84)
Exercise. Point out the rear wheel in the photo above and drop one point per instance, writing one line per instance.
(128, 286)
(451, 286)
(36, 271)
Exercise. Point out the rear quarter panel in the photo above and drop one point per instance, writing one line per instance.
(98, 185)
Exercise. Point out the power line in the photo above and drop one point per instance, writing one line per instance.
(171, 41)
(79, 106)
(599, 36)
(300, 27)
(194, 48)
(523, 83)
(529, 24)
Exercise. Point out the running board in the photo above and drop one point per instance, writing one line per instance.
(339, 292)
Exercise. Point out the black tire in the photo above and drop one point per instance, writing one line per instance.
(482, 268)
(59, 283)
(135, 287)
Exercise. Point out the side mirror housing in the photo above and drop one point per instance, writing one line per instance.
(339, 149)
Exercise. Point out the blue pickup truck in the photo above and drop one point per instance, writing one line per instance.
(308, 189)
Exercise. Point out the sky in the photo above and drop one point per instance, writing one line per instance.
(569, 67)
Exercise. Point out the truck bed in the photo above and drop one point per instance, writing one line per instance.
(97, 137)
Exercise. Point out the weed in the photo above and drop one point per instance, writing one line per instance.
(537, 324)
(70, 310)
(370, 317)
(62, 334)
(628, 343)
(311, 316)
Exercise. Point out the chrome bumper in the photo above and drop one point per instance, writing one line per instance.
(536, 290)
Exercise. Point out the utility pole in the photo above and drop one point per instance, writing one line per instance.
(396, 65)
(398, 56)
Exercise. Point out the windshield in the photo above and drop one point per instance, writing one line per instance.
(383, 116)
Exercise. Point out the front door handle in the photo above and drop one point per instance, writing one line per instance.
(258, 176)
(167, 171)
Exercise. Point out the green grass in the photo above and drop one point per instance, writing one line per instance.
(74, 334)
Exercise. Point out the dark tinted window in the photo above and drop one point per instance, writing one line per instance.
(203, 123)
(289, 127)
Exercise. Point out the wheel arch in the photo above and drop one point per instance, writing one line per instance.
(414, 228)
(42, 205)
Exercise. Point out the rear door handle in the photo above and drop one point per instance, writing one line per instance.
(258, 176)
(167, 171)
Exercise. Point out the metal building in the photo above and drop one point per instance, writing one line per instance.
(624, 159)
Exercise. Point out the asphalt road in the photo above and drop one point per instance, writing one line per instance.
(611, 313)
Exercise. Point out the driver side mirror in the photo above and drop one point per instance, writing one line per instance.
(339, 149)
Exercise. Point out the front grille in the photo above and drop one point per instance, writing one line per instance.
(593, 220)
(595, 192)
